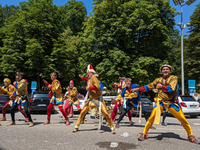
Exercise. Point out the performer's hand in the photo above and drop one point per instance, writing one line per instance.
(113, 102)
(132, 109)
(68, 88)
(87, 88)
(80, 75)
(45, 82)
(49, 86)
(159, 86)
(119, 86)
(135, 90)
(11, 97)
(127, 92)
(108, 93)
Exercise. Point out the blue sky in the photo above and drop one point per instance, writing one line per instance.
(187, 10)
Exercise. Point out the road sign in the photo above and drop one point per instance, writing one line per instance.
(191, 90)
(33, 85)
(191, 84)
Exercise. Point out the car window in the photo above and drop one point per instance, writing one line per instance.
(80, 97)
(40, 95)
(187, 98)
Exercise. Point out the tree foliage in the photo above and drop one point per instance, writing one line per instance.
(34, 39)
(192, 61)
(122, 35)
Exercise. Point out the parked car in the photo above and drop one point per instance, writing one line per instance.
(108, 100)
(39, 101)
(189, 105)
(147, 106)
(3, 100)
(81, 101)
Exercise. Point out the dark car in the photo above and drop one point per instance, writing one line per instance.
(3, 100)
(39, 101)
(147, 106)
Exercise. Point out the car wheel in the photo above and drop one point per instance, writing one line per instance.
(193, 116)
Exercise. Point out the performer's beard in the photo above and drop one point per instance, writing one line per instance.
(166, 74)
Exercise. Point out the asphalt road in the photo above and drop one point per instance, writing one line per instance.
(59, 136)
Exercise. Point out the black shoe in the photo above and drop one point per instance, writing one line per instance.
(163, 124)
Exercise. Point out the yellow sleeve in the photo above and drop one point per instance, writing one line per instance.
(21, 85)
(95, 82)
(74, 92)
(173, 83)
(152, 85)
(11, 90)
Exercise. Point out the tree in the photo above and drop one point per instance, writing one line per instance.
(5, 13)
(123, 37)
(65, 55)
(192, 61)
(30, 35)
(73, 16)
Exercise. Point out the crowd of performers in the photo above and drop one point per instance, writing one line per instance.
(128, 97)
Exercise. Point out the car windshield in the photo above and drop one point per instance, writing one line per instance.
(40, 95)
(187, 98)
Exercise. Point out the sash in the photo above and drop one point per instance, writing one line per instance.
(86, 96)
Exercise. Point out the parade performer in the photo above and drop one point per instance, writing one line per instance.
(132, 99)
(21, 98)
(9, 89)
(56, 91)
(119, 100)
(165, 100)
(72, 98)
(93, 101)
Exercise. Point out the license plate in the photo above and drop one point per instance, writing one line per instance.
(41, 105)
(145, 104)
(193, 106)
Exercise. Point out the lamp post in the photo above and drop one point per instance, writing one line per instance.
(182, 26)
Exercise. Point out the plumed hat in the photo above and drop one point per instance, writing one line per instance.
(90, 69)
(71, 82)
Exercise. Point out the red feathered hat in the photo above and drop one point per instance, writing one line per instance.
(90, 69)
(71, 82)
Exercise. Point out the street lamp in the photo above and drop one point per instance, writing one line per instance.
(182, 26)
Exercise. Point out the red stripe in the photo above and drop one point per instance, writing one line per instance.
(85, 79)
(93, 88)
(164, 88)
(142, 89)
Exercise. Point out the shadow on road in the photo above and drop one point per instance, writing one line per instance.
(43, 112)
(166, 135)
(176, 124)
